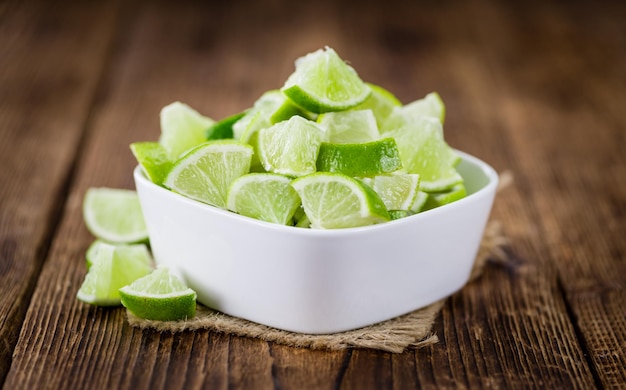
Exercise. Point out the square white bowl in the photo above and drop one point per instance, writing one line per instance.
(319, 281)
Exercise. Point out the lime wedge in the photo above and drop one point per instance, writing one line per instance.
(420, 201)
(206, 172)
(334, 200)
(323, 82)
(381, 102)
(290, 147)
(349, 127)
(436, 199)
(153, 160)
(182, 128)
(265, 196)
(139, 252)
(90, 255)
(224, 127)
(360, 160)
(397, 214)
(283, 108)
(424, 151)
(430, 105)
(111, 269)
(397, 191)
(251, 137)
(272, 107)
(159, 296)
(300, 218)
(114, 215)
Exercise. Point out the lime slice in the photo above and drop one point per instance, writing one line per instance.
(424, 151)
(290, 147)
(223, 128)
(251, 137)
(397, 214)
(240, 127)
(430, 105)
(153, 160)
(114, 215)
(360, 160)
(272, 107)
(90, 255)
(182, 128)
(420, 201)
(381, 102)
(283, 108)
(265, 196)
(159, 296)
(436, 199)
(397, 191)
(111, 269)
(349, 127)
(334, 200)
(323, 82)
(207, 171)
(139, 252)
(300, 218)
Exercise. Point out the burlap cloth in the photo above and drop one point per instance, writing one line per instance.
(412, 330)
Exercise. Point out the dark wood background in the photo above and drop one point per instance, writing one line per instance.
(535, 88)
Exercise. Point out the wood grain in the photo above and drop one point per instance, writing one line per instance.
(534, 89)
(560, 84)
(50, 64)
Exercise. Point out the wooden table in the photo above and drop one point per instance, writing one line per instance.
(534, 88)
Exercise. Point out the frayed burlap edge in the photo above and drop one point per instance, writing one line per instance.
(412, 330)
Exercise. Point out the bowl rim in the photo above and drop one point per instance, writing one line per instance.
(489, 172)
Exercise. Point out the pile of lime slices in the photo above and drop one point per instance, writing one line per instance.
(325, 151)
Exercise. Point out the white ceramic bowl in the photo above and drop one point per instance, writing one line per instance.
(319, 281)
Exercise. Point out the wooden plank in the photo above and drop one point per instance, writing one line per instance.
(301, 368)
(50, 63)
(575, 173)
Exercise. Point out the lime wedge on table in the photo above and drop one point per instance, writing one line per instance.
(323, 82)
(381, 102)
(264, 196)
(182, 128)
(206, 172)
(153, 160)
(114, 215)
(139, 252)
(290, 147)
(159, 296)
(334, 200)
(111, 269)
(359, 160)
(397, 191)
(424, 151)
(344, 127)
